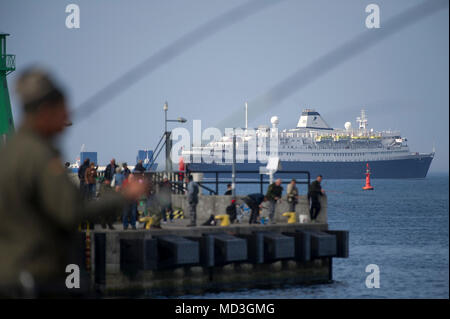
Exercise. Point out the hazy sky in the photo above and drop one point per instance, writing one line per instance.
(402, 82)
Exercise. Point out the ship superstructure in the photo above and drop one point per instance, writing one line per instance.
(315, 146)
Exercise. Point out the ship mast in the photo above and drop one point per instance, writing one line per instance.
(362, 121)
(246, 115)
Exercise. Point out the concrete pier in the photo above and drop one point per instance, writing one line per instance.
(192, 260)
(178, 260)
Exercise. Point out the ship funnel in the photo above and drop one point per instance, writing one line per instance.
(312, 120)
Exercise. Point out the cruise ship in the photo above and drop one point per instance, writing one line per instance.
(316, 147)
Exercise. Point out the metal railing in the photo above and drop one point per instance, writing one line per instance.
(176, 178)
(260, 179)
(7, 63)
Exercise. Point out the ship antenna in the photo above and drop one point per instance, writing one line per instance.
(362, 120)
(246, 115)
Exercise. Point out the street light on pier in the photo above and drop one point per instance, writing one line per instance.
(168, 135)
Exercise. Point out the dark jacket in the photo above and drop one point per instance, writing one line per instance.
(139, 168)
(231, 211)
(165, 193)
(40, 209)
(109, 171)
(82, 171)
(257, 198)
(274, 191)
(126, 171)
(253, 200)
(314, 191)
(192, 192)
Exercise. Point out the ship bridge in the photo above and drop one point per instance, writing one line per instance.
(311, 119)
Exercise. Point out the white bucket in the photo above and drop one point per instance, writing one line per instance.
(302, 219)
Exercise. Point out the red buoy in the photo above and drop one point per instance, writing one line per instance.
(368, 186)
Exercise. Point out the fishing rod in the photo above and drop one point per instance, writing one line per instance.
(167, 54)
(329, 61)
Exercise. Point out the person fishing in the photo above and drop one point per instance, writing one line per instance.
(274, 192)
(165, 199)
(314, 193)
(254, 203)
(232, 211)
(292, 195)
(192, 197)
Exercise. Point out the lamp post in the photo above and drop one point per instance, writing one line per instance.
(166, 108)
(233, 168)
(168, 135)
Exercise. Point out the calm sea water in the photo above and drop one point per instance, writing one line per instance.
(401, 226)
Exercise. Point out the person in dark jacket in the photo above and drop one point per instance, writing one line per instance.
(229, 190)
(273, 195)
(154, 209)
(90, 180)
(139, 168)
(125, 171)
(231, 211)
(82, 178)
(254, 202)
(165, 198)
(110, 170)
(314, 193)
(192, 196)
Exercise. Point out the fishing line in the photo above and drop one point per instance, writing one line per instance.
(334, 58)
(167, 54)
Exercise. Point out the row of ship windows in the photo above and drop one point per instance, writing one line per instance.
(338, 154)
(326, 147)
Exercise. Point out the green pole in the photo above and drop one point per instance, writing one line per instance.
(7, 65)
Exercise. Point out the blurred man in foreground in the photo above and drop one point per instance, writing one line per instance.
(40, 207)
